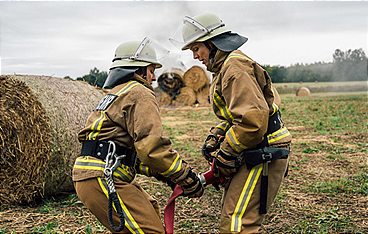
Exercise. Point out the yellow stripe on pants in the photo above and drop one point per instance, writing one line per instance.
(130, 223)
(244, 198)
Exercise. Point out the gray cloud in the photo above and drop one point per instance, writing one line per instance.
(69, 38)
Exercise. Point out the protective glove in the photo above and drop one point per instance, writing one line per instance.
(210, 145)
(225, 164)
(191, 185)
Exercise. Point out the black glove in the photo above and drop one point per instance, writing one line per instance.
(225, 164)
(211, 144)
(191, 185)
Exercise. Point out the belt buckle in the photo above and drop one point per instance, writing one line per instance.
(267, 156)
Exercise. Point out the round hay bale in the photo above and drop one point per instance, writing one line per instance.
(39, 122)
(195, 78)
(163, 98)
(302, 92)
(187, 97)
(171, 81)
(202, 96)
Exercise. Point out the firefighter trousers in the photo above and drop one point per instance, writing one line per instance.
(141, 211)
(241, 198)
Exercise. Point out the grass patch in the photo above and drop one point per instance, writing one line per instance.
(47, 228)
(357, 184)
(326, 222)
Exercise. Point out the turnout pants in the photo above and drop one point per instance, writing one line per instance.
(141, 211)
(241, 198)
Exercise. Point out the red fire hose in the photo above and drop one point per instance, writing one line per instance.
(169, 211)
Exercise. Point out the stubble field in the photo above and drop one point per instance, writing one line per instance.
(326, 190)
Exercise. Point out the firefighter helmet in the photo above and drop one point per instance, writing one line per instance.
(135, 54)
(207, 27)
(201, 28)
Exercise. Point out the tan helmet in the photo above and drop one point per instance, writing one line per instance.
(201, 28)
(135, 54)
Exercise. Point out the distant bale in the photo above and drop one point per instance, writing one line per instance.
(39, 121)
(163, 98)
(171, 81)
(196, 78)
(187, 97)
(202, 96)
(302, 92)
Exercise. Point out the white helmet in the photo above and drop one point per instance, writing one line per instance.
(135, 54)
(201, 28)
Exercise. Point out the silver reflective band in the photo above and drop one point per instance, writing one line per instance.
(200, 26)
(195, 23)
(136, 53)
(140, 48)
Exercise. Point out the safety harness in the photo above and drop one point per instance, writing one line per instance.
(114, 156)
(263, 153)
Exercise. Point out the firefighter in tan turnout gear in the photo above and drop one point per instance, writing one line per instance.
(250, 145)
(122, 137)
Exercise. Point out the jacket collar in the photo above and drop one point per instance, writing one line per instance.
(217, 61)
(142, 81)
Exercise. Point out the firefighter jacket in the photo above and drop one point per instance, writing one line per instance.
(241, 96)
(129, 115)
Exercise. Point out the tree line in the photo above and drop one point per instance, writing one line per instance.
(350, 65)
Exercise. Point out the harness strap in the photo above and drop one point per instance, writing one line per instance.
(263, 155)
(257, 156)
(99, 149)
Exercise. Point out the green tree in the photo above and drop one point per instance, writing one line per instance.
(95, 77)
(350, 65)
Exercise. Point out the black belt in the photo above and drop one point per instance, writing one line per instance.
(263, 156)
(99, 149)
(257, 156)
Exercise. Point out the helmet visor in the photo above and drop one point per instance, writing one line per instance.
(147, 52)
(188, 32)
(191, 31)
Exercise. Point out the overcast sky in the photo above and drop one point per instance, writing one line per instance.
(69, 38)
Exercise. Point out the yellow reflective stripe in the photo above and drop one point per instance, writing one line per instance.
(244, 198)
(124, 176)
(93, 164)
(96, 126)
(278, 135)
(222, 107)
(275, 108)
(233, 56)
(223, 126)
(128, 87)
(233, 141)
(89, 160)
(144, 169)
(175, 167)
(130, 223)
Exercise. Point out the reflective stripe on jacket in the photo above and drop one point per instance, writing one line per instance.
(129, 115)
(241, 96)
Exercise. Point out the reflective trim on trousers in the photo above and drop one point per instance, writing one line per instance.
(130, 223)
(247, 191)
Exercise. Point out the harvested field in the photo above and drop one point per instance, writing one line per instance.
(323, 87)
(326, 190)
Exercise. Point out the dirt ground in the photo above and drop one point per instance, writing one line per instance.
(326, 190)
